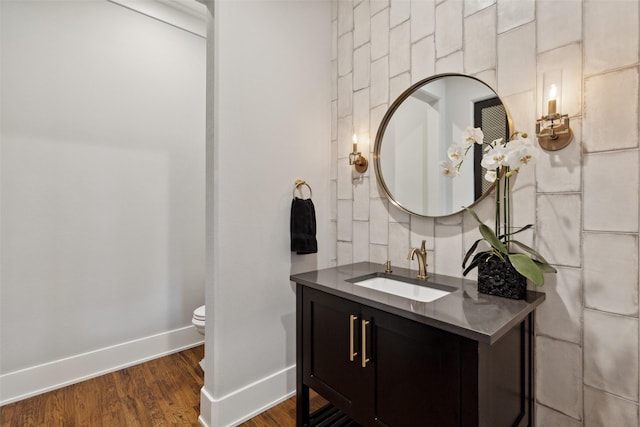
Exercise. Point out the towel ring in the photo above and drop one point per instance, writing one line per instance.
(300, 183)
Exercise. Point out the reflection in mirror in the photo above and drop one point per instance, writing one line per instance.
(416, 133)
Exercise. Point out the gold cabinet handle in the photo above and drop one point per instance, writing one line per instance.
(365, 359)
(352, 354)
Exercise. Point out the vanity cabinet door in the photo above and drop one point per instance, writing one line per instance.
(331, 336)
(410, 374)
(417, 373)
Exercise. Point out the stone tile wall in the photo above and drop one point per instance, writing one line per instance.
(583, 200)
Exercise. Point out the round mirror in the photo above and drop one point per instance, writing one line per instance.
(416, 133)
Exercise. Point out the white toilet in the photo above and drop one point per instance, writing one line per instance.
(198, 321)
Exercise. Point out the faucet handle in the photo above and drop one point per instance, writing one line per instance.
(422, 246)
(387, 267)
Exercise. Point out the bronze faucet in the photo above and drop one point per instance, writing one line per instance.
(422, 260)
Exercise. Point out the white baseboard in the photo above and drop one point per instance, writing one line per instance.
(39, 379)
(247, 402)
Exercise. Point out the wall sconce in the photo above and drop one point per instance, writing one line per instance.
(553, 130)
(357, 159)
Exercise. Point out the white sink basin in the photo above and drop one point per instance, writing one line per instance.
(403, 289)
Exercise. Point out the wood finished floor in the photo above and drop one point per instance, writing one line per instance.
(162, 392)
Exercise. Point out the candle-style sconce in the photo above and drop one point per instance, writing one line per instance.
(356, 158)
(553, 130)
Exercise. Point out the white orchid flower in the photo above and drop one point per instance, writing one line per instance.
(490, 176)
(455, 153)
(448, 169)
(521, 152)
(493, 144)
(495, 158)
(472, 136)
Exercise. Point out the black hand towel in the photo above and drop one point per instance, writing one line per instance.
(303, 227)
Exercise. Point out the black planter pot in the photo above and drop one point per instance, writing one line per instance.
(497, 277)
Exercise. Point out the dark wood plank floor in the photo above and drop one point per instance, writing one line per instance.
(162, 392)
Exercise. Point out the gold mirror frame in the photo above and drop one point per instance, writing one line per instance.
(385, 122)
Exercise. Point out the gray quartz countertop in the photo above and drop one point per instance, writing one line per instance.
(464, 311)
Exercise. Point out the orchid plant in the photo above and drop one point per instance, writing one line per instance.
(501, 159)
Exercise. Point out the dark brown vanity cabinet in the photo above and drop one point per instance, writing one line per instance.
(380, 369)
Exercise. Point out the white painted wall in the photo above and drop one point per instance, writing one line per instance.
(102, 189)
(268, 125)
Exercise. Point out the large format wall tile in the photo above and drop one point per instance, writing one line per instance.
(360, 241)
(611, 191)
(514, 13)
(361, 200)
(560, 316)
(606, 410)
(398, 84)
(472, 6)
(480, 41)
(453, 63)
(611, 272)
(375, 117)
(561, 171)
(345, 180)
(345, 134)
(399, 244)
(610, 34)
(558, 375)
(378, 253)
(611, 111)
(380, 81)
(448, 27)
(378, 5)
(448, 250)
(400, 11)
(558, 228)
(380, 35)
(361, 119)
(362, 24)
(379, 217)
(399, 49)
(559, 23)
(361, 67)
(423, 229)
(345, 54)
(345, 16)
(345, 94)
(611, 353)
(422, 18)
(546, 417)
(345, 253)
(345, 223)
(517, 60)
(423, 59)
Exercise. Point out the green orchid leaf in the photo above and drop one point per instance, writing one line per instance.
(473, 265)
(471, 251)
(529, 250)
(526, 227)
(473, 214)
(480, 257)
(525, 266)
(491, 237)
(546, 268)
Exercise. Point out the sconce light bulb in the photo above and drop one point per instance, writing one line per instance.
(355, 143)
(553, 92)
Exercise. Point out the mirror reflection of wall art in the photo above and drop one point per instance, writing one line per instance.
(416, 133)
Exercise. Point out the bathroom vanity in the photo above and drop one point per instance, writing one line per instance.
(393, 358)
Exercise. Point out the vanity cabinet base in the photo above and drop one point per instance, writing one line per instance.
(381, 369)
